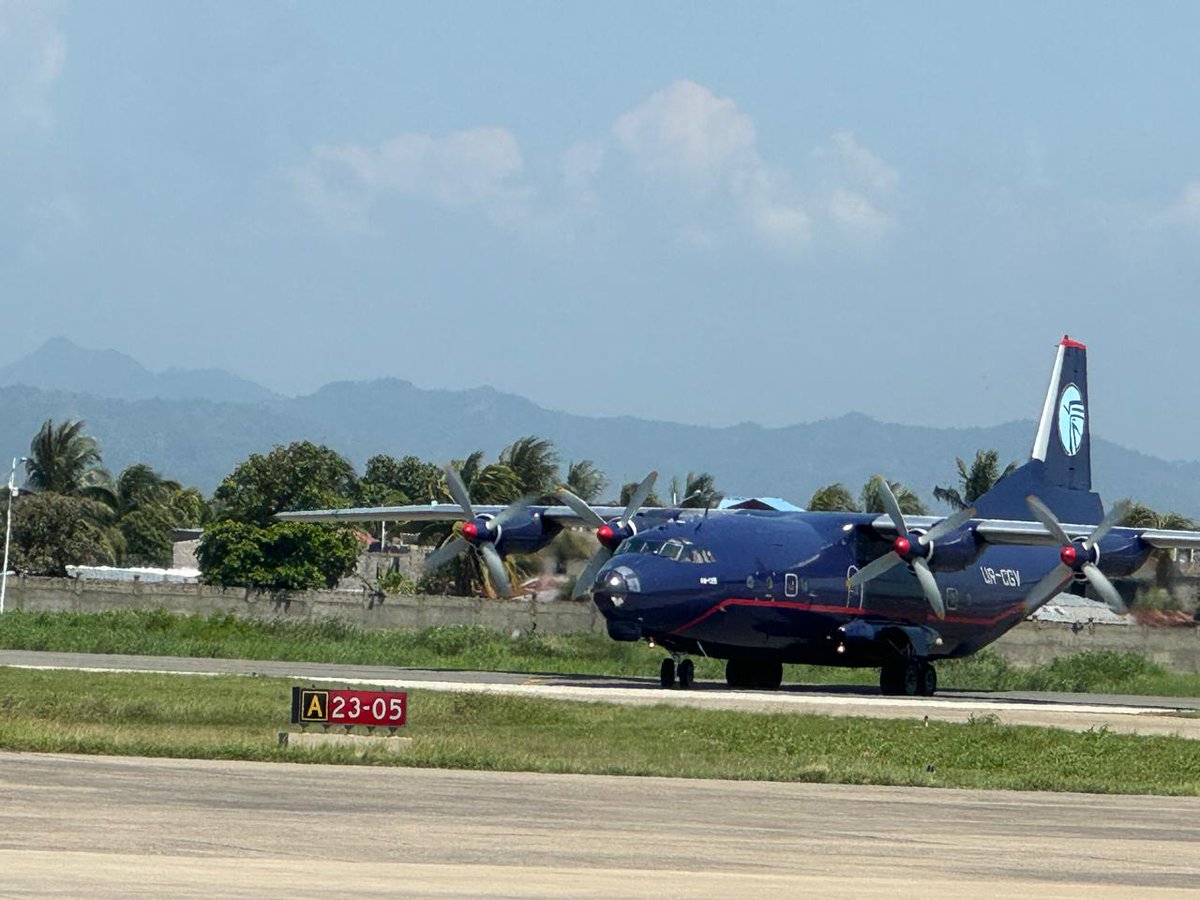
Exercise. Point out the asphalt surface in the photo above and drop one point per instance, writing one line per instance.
(105, 827)
(1080, 712)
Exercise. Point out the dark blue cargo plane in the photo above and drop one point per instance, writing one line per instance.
(760, 587)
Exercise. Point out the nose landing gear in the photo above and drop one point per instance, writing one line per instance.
(677, 668)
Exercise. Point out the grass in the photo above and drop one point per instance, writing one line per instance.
(229, 717)
(159, 633)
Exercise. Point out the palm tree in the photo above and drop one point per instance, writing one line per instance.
(833, 498)
(64, 460)
(535, 462)
(584, 480)
(871, 499)
(628, 490)
(975, 481)
(698, 491)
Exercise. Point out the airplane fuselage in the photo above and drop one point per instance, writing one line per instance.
(776, 585)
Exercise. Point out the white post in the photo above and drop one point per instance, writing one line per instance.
(12, 476)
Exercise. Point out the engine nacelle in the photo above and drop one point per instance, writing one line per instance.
(955, 551)
(527, 533)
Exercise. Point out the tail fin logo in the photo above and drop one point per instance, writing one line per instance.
(1072, 416)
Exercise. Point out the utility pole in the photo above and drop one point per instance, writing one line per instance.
(12, 491)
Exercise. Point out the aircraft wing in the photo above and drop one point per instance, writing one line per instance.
(1008, 531)
(433, 512)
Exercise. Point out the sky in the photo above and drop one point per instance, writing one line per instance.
(708, 213)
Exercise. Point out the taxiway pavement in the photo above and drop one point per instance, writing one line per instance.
(108, 827)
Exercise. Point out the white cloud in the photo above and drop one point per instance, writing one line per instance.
(688, 131)
(1185, 210)
(860, 165)
(694, 146)
(687, 134)
(32, 55)
(477, 167)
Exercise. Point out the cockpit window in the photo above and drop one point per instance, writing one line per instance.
(675, 549)
(671, 549)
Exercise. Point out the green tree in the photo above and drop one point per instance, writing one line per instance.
(584, 480)
(51, 531)
(871, 499)
(627, 494)
(65, 460)
(833, 498)
(974, 481)
(302, 475)
(535, 461)
(1139, 515)
(284, 556)
(697, 491)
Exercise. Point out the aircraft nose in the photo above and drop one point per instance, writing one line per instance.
(617, 583)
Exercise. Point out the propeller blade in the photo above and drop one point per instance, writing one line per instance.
(580, 507)
(1115, 515)
(495, 567)
(583, 584)
(1047, 587)
(953, 523)
(930, 587)
(1042, 513)
(638, 498)
(875, 568)
(446, 552)
(510, 512)
(458, 491)
(890, 504)
(1105, 588)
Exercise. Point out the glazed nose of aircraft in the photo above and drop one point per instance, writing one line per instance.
(617, 583)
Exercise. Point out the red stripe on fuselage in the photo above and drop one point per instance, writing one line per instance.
(834, 610)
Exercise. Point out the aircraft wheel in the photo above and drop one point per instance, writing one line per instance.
(738, 674)
(928, 680)
(687, 674)
(891, 679)
(911, 686)
(666, 673)
(769, 676)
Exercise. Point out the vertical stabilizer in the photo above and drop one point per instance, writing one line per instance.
(1063, 439)
(1059, 470)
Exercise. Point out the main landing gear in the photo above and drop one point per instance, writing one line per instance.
(684, 672)
(765, 675)
(908, 677)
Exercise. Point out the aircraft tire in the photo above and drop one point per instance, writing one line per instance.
(928, 680)
(891, 679)
(687, 674)
(912, 679)
(666, 673)
(768, 676)
(735, 673)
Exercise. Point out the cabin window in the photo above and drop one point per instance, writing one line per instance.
(952, 598)
(791, 584)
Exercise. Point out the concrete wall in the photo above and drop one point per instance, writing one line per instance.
(83, 595)
(1028, 644)
(1037, 643)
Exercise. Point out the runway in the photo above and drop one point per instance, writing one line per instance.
(1078, 712)
(108, 827)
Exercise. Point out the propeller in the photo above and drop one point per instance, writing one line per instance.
(610, 534)
(911, 548)
(478, 532)
(1075, 558)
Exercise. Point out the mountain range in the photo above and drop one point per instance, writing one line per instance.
(196, 425)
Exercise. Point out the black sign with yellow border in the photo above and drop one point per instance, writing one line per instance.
(309, 705)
